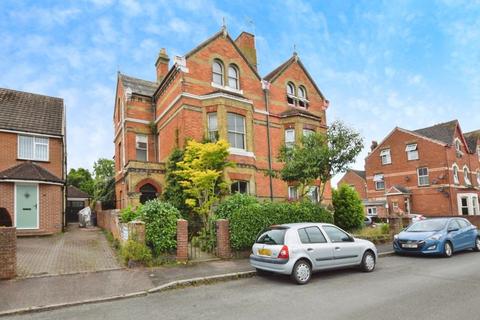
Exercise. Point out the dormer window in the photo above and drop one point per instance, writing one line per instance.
(291, 93)
(217, 72)
(385, 156)
(466, 174)
(233, 79)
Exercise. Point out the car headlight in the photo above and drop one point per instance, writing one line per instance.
(435, 237)
(395, 237)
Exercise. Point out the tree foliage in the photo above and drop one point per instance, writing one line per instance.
(174, 192)
(348, 208)
(104, 171)
(320, 156)
(201, 173)
(82, 179)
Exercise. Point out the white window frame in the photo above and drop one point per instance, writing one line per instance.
(212, 132)
(289, 137)
(141, 138)
(458, 145)
(456, 179)
(475, 205)
(385, 156)
(236, 78)
(412, 151)
(34, 144)
(372, 211)
(379, 178)
(241, 181)
(423, 176)
(221, 74)
(233, 130)
(472, 203)
(291, 95)
(311, 191)
(466, 174)
(292, 192)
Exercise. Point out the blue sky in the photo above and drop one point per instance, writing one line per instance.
(380, 63)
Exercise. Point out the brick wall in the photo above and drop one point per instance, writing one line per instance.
(182, 240)
(357, 182)
(8, 252)
(223, 239)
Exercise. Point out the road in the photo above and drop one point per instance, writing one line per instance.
(400, 288)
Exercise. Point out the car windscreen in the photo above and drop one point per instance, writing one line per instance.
(275, 236)
(427, 225)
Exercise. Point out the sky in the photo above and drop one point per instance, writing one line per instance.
(380, 63)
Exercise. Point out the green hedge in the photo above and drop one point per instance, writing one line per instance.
(247, 217)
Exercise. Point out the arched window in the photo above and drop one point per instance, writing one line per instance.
(233, 78)
(478, 177)
(217, 72)
(148, 192)
(290, 93)
(458, 145)
(455, 174)
(302, 97)
(466, 174)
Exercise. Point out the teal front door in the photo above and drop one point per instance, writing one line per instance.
(26, 206)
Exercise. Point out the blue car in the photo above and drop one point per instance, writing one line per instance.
(439, 236)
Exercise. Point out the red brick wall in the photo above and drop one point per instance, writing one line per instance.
(182, 240)
(8, 252)
(357, 182)
(7, 198)
(223, 239)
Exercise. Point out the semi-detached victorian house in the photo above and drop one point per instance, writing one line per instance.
(214, 91)
(433, 171)
(32, 162)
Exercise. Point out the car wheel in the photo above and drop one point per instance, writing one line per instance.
(302, 272)
(477, 244)
(261, 272)
(368, 262)
(447, 249)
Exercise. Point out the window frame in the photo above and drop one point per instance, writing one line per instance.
(34, 148)
(238, 182)
(289, 143)
(419, 177)
(310, 194)
(466, 174)
(291, 97)
(292, 192)
(376, 182)
(137, 148)
(237, 77)
(305, 229)
(412, 151)
(221, 73)
(325, 228)
(370, 212)
(302, 100)
(456, 178)
(230, 130)
(211, 132)
(386, 156)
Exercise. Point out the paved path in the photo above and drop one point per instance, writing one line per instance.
(401, 288)
(77, 250)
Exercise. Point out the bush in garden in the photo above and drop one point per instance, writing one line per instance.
(237, 200)
(348, 208)
(136, 252)
(160, 225)
(128, 214)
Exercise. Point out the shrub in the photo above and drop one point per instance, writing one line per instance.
(247, 217)
(136, 252)
(348, 208)
(385, 228)
(160, 225)
(128, 214)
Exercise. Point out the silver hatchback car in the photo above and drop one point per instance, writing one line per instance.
(298, 249)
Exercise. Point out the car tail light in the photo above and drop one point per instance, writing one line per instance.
(283, 253)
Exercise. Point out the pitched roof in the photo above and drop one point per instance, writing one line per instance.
(29, 171)
(472, 138)
(360, 173)
(29, 112)
(138, 86)
(273, 75)
(74, 192)
(443, 132)
(398, 189)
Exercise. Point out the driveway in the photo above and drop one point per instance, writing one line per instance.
(401, 288)
(77, 250)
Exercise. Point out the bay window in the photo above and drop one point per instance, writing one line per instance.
(236, 130)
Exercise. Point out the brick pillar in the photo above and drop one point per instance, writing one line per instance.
(8, 252)
(136, 231)
(182, 240)
(223, 239)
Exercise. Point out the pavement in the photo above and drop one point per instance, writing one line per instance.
(39, 293)
(77, 250)
(400, 288)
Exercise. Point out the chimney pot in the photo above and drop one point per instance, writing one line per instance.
(374, 145)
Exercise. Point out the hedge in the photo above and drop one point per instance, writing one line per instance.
(248, 217)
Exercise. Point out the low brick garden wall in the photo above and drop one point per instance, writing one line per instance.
(109, 221)
(8, 252)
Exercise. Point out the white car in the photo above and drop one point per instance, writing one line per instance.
(299, 249)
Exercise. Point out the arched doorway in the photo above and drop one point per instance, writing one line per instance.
(147, 192)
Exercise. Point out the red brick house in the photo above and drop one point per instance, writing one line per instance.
(434, 171)
(214, 91)
(32, 161)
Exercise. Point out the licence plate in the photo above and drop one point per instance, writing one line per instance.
(409, 245)
(264, 252)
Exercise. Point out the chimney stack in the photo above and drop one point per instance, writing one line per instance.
(162, 64)
(374, 145)
(246, 43)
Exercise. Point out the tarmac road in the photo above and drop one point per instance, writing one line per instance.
(400, 288)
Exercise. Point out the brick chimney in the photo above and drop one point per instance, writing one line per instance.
(162, 64)
(246, 44)
(373, 145)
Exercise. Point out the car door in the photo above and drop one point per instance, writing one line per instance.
(317, 247)
(455, 234)
(345, 250)
(467, 233)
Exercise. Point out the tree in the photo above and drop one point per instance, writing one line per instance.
(320, 156)
(348, 208)
(201, 172)
(104, 171)
(82, 179)
(174, 192)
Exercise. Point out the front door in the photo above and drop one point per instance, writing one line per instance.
(26, 206)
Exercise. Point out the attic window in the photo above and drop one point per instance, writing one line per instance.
(385, 156)
(291, 93)
(217, 72)
(379, 181)
(412, 151)
(302, 97)
(458, 145)
(233, 79)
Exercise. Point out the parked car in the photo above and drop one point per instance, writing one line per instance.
(416, 217)
(299, 249)
(368, 221)
(441, 236)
